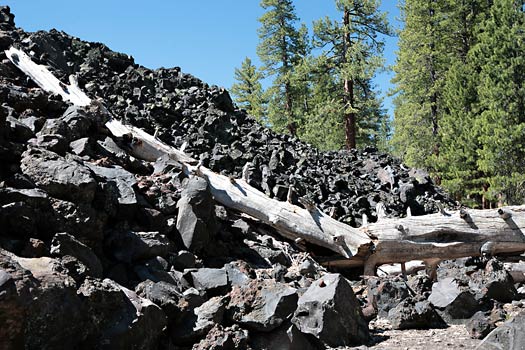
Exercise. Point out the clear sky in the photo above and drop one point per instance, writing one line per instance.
(206, 38)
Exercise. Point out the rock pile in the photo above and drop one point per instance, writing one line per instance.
(99, 249)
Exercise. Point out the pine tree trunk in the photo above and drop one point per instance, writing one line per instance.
(434, 97)
(350, 127)
(292, 128)
(287, 88)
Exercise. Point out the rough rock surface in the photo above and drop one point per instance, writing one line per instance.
(196, 217)
(510, 335)
(262, 305)
(412, 314)
(321, 308)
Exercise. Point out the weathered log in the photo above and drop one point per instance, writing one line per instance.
(437, 237)
(289, 220)
(46, 80)
(430, 238)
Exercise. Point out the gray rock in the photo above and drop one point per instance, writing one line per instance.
(262, 305)
(123, 179)
(214, 281)
(19, 131)
(81, 147)
(421, 176)
(33, 123)
(52, 142)
(286, 337)
(480, 325)
(33, 196)
(197, 322)
(321, 308)
(63, 178)
(145, 272)
(74, 124)
(183, 259)
(238, 275)
(386, 175)
(109, 147)
(7, 19)
(79, 219)
(196, 217)
(119, 317)
(224, 338)
(165, 295)
(493, 283)
(65, 244)
(165, 164)
(210, 313)
(273, 256)
(129, 246)
(413, 314)
(39, 306)
(509, 336)
(387, 292)
(454, 300)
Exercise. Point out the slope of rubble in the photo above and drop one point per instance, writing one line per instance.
(100, 250)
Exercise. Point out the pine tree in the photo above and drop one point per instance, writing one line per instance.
(500, 52)
(248, 91)
(281, 46)
(461, 98)
(323, 124)
(420, 69)
(457, 165)
(350, 58)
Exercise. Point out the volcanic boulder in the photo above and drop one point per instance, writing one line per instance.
(196, 217)
(262, 305)
(64, 178)
(330, 311)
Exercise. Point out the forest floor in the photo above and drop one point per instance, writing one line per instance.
(452, 338)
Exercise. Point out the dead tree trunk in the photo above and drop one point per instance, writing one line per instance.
(430, 238)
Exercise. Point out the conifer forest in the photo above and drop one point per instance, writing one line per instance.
(459, 96)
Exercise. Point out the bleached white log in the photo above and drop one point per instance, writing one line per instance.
(289, 220)
(144, 145)
(436, 237)
(46, 80)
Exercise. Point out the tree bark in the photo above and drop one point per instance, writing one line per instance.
(350, 127)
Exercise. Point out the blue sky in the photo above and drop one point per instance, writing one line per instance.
(207, 38)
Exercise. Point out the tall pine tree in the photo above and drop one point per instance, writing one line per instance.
(350, 57)
(282, 45)
(461, 99)
(458, 162)
(421, 65)
(500, 53)
(248, 91)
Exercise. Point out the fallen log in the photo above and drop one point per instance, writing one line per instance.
(429, 238)
(443, 236)
(289, 220)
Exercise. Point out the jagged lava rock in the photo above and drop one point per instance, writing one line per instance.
(196, 218)
(262, 305)
(63, 178)
(330, 311)
(509, 336)
(413, 314)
